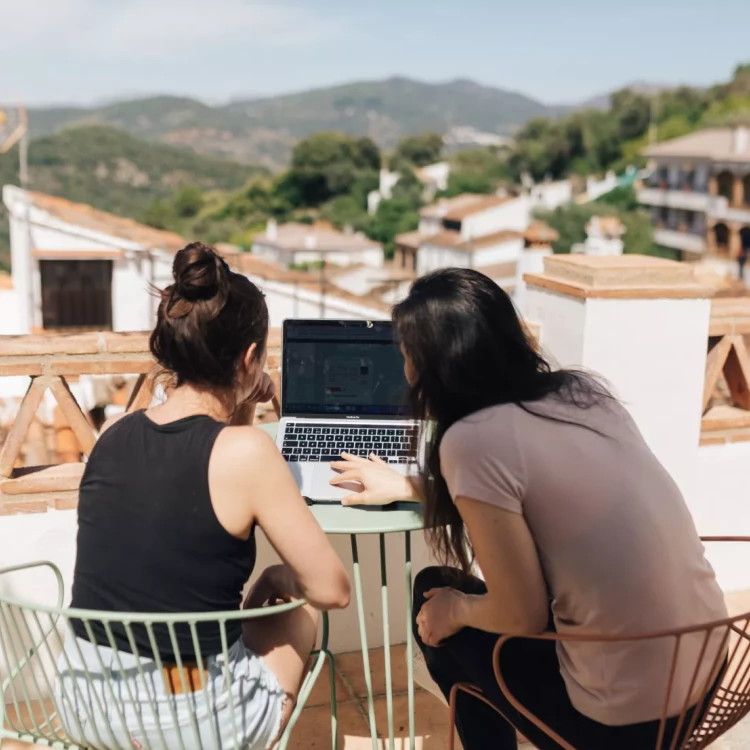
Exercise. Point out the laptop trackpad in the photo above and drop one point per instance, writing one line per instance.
(322, 489)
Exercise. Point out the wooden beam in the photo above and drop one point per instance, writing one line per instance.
(714, 366)
(14, 441)
(82, 428)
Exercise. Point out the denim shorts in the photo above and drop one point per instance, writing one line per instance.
(109, 704)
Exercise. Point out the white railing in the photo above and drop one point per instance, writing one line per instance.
(687, 241)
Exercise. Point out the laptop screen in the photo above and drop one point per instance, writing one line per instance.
(342, 368)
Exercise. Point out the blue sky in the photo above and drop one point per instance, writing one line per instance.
(80, 51)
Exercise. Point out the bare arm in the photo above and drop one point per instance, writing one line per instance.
(516, 601)
(251, 469)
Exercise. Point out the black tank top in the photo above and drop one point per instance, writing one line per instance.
(148, 537)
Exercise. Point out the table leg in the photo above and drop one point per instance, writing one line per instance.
(363, 640)
(386, 643)
(409, 645)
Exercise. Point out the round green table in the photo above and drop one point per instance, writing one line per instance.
(399, 518)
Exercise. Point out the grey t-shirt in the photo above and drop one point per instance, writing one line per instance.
(618, 546)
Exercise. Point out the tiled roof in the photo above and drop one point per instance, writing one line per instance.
(448, 205)
(540, 232)
(315, 238)
(252, 265)
(484, 203)
(448, 238)
(90, 218)
(411, 239)
(716, 144)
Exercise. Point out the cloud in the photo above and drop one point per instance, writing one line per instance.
(153, 29)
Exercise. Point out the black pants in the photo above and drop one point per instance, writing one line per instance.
(532, 672)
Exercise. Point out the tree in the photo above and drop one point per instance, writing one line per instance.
(158, 215)
(392, 217)
(188, 201)
(326, 165)
(632, 114)
(420, 150)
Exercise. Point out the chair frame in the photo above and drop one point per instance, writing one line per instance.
(727, 704)
(22, 622)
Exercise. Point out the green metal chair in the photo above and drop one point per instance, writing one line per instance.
(31, 642)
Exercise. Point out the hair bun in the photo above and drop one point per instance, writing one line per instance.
(200, 273)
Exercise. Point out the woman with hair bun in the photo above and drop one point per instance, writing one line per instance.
(168, 508)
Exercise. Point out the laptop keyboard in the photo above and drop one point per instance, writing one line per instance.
(325, 443)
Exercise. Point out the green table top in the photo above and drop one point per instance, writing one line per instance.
(336, 519)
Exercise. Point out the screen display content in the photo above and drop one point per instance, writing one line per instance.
(339, 368)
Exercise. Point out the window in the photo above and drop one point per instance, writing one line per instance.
(452, 225)
(76, 294)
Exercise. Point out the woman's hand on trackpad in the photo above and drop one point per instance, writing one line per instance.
(381, 484)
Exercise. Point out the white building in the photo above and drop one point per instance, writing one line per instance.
(492, 233)
(603, 237)
(434, 178)
(304, 244)
(699, 195)
(76, 268)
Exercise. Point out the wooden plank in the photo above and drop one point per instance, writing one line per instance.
(14, 441)
(37, 480)
(714, 366)
(81, 426)
(737, 373)
(143, 393)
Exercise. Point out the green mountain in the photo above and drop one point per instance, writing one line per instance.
(265, 130)
(116, 172)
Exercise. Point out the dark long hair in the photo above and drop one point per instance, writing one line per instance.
(470, 350)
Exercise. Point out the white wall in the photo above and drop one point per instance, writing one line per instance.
(653, 351)
(503, 252)
(550, 195)
(11, 313)
(131, 305)
(514, 215)
(597, 188)
(432, 257)
(531, 260)
(284, 301)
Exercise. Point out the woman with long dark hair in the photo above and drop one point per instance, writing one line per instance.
(541, 478)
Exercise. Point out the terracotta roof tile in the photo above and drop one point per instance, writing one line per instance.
(539, 232)
(484, 203)
(448, 238)
(95, 220)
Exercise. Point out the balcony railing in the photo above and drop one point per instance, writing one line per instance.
(52, 363)
(726, 393)
(672, 198)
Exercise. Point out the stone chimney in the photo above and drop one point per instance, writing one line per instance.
(272, 229)
(740, 139)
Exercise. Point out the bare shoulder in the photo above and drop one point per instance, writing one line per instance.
(244, 449)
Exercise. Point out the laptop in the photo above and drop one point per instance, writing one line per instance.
(343, 388)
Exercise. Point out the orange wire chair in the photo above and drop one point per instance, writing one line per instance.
(724, 694)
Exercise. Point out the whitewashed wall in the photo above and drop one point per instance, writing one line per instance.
(513, 215)
(287, 301)
(503, 252)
